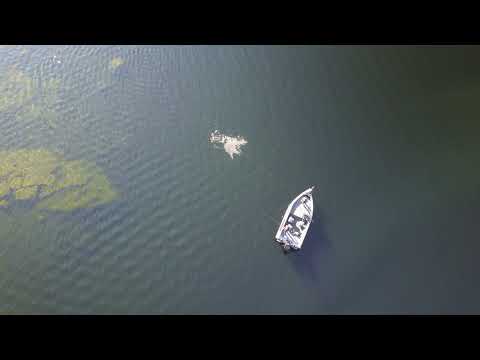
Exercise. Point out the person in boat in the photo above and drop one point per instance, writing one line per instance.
(289, 227)
(301, 224)
(294, 229)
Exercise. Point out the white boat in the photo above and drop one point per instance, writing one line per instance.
(295, 223)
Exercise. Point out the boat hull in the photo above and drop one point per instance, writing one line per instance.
(296, 221)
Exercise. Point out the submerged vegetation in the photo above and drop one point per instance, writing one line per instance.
(16, 89)
(50, 182)
(28, 98)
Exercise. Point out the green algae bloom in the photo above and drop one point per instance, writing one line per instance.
(116, 62)
(50, 182)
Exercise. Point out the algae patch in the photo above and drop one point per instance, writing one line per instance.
(50, 182)
(231, 144)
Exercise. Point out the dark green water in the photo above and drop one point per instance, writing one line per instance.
(389, 136)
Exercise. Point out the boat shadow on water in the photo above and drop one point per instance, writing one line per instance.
(310, 261)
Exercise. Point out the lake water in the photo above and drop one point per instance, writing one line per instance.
(389, 136)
